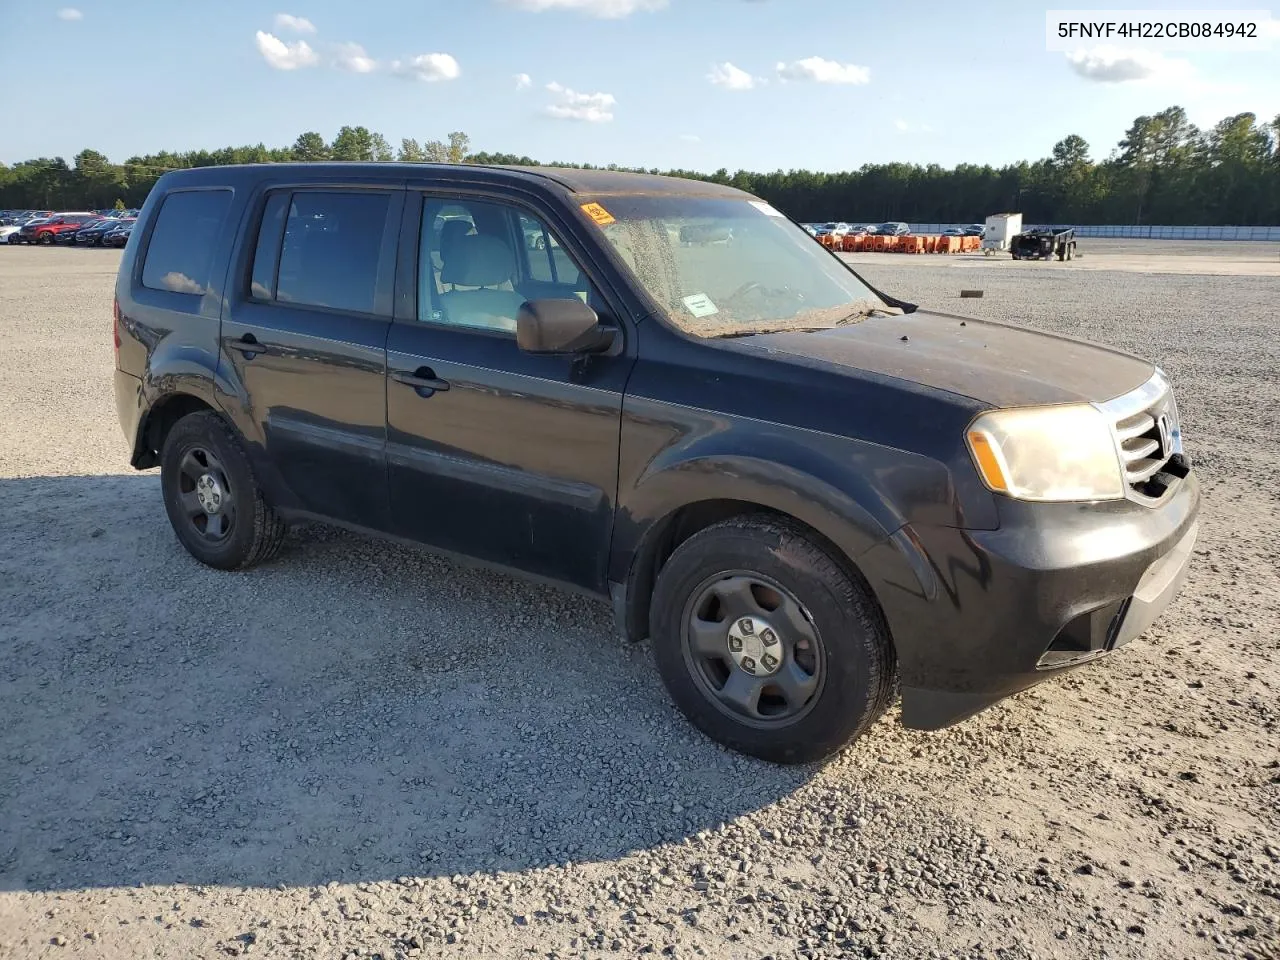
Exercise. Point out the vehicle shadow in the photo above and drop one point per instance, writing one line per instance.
(351, 711)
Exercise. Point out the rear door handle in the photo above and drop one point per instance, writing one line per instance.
(423, 380)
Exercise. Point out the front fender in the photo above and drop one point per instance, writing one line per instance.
(856, 494)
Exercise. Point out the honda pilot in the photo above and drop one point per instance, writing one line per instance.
(810, 496)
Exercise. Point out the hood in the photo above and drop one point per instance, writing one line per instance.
(997, 363)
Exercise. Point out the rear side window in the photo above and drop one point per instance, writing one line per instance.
(333, 247)
(180, 253)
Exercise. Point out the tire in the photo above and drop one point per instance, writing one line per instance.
(44, 239)
(245, 530)
(838, 641)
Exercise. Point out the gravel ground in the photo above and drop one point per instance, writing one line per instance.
(360, 750)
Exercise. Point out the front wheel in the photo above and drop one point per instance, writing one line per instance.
(212, 498)
(767, 644)
(44, 239)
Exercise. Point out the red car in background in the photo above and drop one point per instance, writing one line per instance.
(44, 231)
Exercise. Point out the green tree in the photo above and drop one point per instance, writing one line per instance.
(411, 151)
(1164, 170)
(380, 149)
(310, 146)
(457, 150)
(353, 143)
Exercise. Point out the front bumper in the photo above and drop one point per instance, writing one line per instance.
(977, 615)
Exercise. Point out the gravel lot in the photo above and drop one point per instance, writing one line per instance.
(361, 750)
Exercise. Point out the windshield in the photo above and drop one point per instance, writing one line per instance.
(728, 267)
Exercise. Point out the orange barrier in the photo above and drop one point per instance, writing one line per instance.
(916, 243)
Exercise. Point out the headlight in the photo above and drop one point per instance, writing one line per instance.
(1047, 453)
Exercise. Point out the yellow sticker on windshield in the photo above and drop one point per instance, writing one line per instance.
(598, 213)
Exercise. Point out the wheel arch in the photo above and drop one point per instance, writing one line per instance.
(159, 419)
(835, 501)
(666, 534)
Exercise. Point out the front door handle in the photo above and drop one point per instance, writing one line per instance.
(423, 380)
(248, 345)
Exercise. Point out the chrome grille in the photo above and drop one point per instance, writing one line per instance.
(1147, 434)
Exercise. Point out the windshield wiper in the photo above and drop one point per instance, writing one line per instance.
(863, 313)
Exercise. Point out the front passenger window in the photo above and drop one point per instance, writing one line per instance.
(480, 261)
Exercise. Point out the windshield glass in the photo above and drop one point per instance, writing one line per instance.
(728, 267)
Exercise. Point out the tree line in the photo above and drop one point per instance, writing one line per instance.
(1164, 170)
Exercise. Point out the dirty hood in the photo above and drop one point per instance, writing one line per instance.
(1001, 364)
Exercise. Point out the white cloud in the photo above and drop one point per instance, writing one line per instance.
(69, 14)
(180, 283)
(604, 9)
(824, 71)
(730, 77)
(902, 126)
(287, 21)
(285, 56)
(351, 56)
(523, 81)
(429, 67)
(690, 138)
(589, 107)
(1117, 65)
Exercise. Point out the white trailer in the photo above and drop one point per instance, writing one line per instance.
(1000, 229)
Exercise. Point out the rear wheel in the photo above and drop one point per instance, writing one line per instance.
(213, 500)
(44, 239)
(767, 644)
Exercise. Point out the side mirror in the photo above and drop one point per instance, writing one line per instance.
(561, 326)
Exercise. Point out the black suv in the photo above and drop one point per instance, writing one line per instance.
(811, 496)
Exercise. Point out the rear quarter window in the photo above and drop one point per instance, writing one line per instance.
(180, 253)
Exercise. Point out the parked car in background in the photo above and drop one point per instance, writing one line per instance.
(91, 234)
(975, 230)
(19, 236)
(12, 232)
(893, 228)
(45, 231)
(68, 237)
(953, 232)
(118, 236)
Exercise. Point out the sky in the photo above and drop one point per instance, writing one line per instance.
(692, 84)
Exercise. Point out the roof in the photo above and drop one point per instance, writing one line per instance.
(593, 182)
(617, 181)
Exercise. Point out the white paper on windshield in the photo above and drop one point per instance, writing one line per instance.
(765, 208)
(700, 305)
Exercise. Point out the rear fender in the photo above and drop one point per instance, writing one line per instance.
(177, 370)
